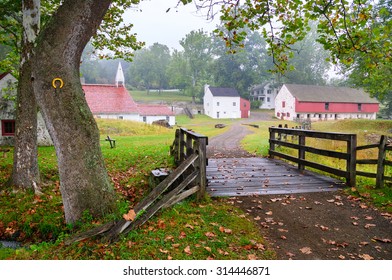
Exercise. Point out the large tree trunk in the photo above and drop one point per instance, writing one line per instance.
(84, 183)
(25, 173)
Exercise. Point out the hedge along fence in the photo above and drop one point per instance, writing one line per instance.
(297, 139)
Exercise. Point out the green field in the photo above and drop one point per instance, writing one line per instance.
(166, 97)
(211, 229)
(189, 230)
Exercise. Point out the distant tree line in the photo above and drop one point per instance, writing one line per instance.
(204, 59)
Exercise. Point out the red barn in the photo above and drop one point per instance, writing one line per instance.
(244, 108)
(316, 103)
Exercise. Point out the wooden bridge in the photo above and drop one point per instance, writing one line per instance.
(246, 176)
(261, 176)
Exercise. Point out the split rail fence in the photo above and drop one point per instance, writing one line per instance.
(190, 153)
(279, 137)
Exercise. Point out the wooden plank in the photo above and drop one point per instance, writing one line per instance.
(164, 185)
(271, 143)
(276, 190)
(226, 181)
(89, 233)
(286, 187)
(181, 196)
(202, 165)
(192, 133)
(387, 178)
(233, 185)
(313, 134)
(380, 164)
(301, 151)
(252, 171)
(153, 196)
(366, 174)
(312, 150)
(272, 192)
(388, 162)
(351, 164)
(161, 203)
(331, 170)
(371, 146)
(266, 178)
(367, 161)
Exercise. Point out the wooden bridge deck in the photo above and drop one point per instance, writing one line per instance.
(263, 176)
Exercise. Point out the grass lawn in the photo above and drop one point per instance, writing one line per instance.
(211, 229)
(167, 97)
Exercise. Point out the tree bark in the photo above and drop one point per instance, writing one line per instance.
(25, 173)
(84, 182)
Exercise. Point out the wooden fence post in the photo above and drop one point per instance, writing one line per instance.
(380, 162)
(181, 146)
(174, 151)
(272, 145)
(351, 165)
(202, 150)
(189, 147)
(301, 151)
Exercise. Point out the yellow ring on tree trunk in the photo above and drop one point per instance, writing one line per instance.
(59, 80)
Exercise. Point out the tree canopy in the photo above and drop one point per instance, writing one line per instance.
(352, 31)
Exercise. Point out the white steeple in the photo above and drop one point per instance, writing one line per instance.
(120, 80)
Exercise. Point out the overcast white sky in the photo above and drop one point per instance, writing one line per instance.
(152, 24)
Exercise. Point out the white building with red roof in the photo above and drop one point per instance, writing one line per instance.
(296, 102)
(115, 102)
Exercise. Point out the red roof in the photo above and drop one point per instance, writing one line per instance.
(109, 99)
(154, 110)
(2, 75)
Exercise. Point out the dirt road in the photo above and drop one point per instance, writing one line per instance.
(323, 226)
(228, 144)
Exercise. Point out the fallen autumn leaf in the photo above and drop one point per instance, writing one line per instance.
(187, 250)
(306, 250)
(130, 216)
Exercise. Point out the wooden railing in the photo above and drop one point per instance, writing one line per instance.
(381, 162)
(296, 139)
(186, 144)
(279, 135)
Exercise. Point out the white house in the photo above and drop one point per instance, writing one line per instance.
(265, 93)
(224, 103)
(296, 102)
(7, 114)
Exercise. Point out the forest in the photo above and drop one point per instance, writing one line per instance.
(204, 59)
